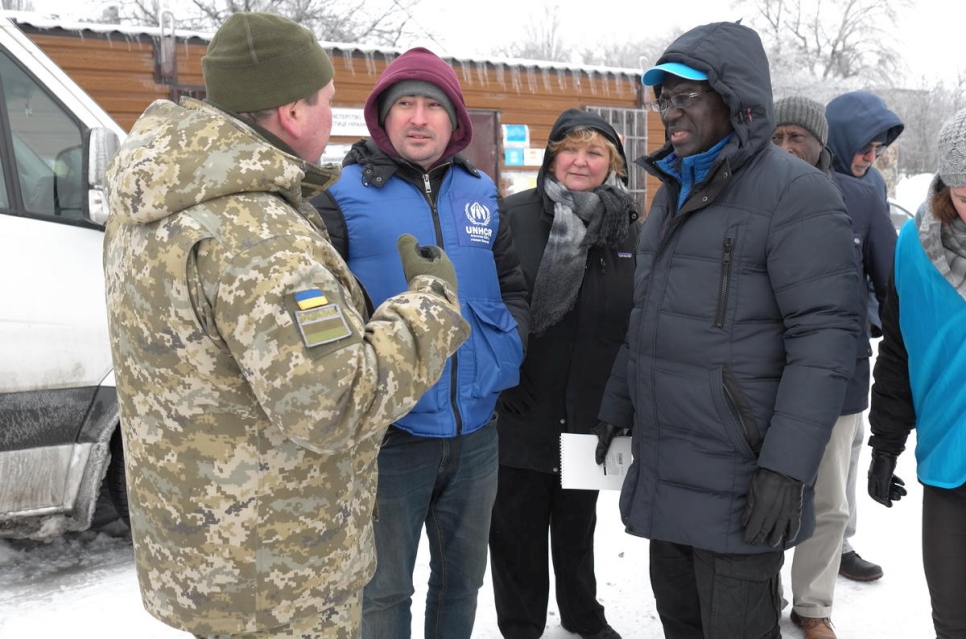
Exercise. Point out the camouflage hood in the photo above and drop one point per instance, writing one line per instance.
(178, 156)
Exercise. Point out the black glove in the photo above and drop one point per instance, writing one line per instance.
(884, 486)
(424, 260)
(605, 435)
(774, 508)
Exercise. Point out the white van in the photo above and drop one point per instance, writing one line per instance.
(58, 406)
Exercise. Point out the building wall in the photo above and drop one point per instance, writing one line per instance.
(119, 71)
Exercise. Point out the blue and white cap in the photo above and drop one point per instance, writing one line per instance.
(655, 75)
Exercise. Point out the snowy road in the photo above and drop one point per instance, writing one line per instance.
(83, 586)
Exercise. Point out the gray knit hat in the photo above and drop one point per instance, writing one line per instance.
(804, 112)
(415, 87)
(952, 151)
(258, 61)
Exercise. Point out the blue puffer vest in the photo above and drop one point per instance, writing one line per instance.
(464, 223)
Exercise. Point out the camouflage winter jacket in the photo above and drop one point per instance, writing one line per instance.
(254, 394)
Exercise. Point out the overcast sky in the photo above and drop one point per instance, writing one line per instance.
(928, 38)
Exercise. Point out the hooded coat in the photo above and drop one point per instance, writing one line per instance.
(854, 120)
(743, 332)
(251, 426)
(566, 368)
(874, 241)
(380, 195)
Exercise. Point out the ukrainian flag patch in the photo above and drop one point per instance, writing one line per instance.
(311, 298)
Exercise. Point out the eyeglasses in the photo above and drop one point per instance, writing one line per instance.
(878, 147)
(680, 101)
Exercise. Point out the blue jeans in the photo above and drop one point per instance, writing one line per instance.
(449, 485)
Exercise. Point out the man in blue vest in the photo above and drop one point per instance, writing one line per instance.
(438, 464)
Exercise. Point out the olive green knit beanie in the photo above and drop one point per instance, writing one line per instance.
(259, 61)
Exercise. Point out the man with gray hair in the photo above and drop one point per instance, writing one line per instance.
(802, 130)
(254, 386)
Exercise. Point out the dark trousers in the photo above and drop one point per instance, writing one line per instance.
(944, 557)
(707, 595)
(528, 504)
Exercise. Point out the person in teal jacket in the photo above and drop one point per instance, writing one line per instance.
(919, 377)
(438, 464)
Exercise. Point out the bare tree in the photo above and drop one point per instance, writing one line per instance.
(17, 5)
(541, 38)
(924, 111)
(376, 22)
(828, 40)
(639, 54)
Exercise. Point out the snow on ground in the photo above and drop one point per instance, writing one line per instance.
(83, 585)
(911, 191)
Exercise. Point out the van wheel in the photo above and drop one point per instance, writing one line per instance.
(114, 479)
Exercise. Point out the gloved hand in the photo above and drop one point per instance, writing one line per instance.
(884, 486)
(424, 260)
(606, 433)
(774, 508)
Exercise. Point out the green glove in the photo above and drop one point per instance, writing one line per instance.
(424, 260)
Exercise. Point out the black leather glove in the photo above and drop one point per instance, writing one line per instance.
(605, 435)
(774, 508)
(884, 486)
(424, 260)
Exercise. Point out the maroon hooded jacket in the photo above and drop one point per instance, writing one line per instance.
(419, 64)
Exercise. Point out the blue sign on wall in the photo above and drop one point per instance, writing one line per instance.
(516, 135)
(513, 157)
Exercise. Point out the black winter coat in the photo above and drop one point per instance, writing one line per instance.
(566, 368)
(745, 321)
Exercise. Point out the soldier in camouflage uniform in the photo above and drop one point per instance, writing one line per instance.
(255, 389)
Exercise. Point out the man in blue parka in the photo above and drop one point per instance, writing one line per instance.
(740, 344)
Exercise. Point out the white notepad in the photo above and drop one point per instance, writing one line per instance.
(579, 470)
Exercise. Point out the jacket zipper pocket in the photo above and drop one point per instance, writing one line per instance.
(725, 283)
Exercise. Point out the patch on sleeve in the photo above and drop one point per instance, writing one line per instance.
(320, 322)
(310, 298)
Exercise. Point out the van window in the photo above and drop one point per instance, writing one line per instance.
(4, 200)
(46, 146)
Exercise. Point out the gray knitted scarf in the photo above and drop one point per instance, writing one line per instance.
(581, 219)
(945, 244)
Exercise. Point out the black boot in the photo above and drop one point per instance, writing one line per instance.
(858, 569)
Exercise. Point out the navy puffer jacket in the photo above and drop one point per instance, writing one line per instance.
(743, 333)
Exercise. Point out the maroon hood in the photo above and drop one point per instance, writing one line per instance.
(420, 64)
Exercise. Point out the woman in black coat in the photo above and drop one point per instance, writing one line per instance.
(576, 235)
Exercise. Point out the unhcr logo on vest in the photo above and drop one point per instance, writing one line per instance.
(478, 229)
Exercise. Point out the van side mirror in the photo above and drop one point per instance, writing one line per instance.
(100, 145)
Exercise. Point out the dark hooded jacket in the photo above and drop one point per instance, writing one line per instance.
(743, 333)
(565, 370)
(854, 120)
(874, 242)
(452, 205)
